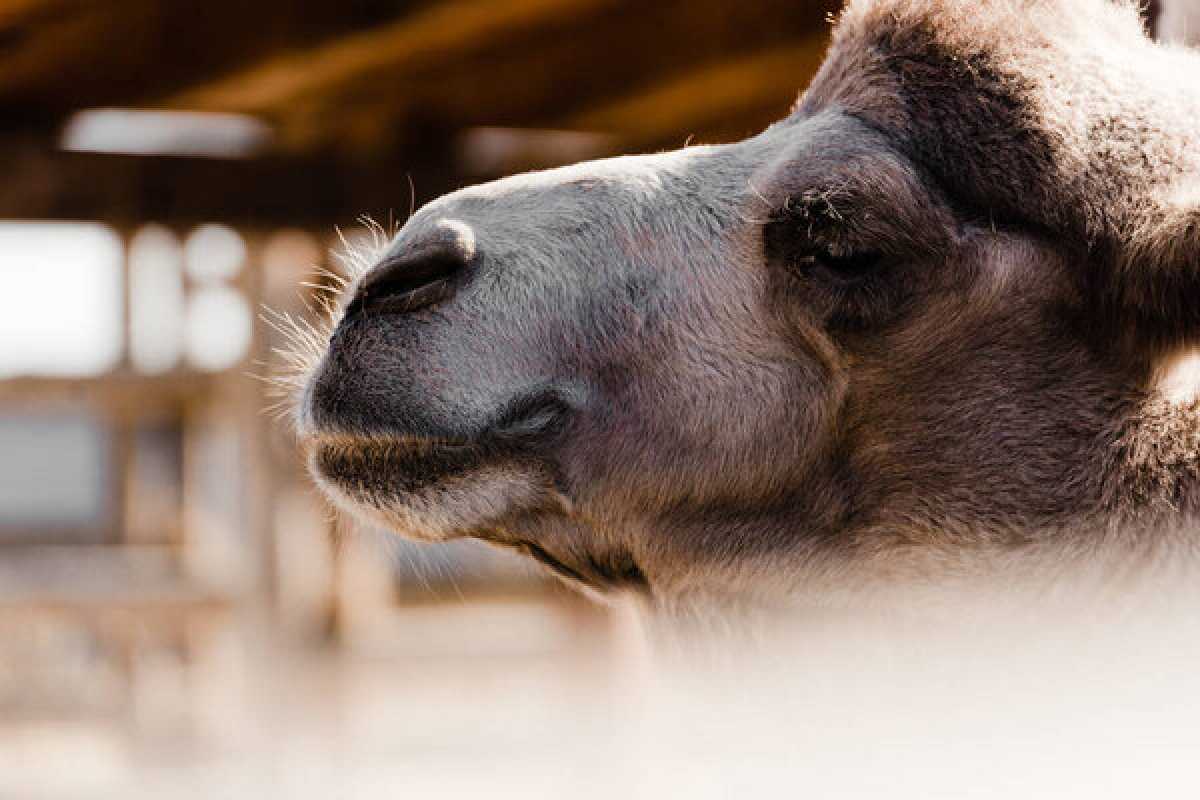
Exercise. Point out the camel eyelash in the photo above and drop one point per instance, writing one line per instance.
(811, 237)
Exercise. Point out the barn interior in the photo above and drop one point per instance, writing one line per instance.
(171, 586)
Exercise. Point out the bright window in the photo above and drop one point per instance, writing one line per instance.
(61, 299)
(214, 253)
(156, 300)
(219, 328)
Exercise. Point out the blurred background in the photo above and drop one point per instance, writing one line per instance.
(179, 610)
(180, 613)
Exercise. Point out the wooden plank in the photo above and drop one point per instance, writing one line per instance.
(119, 392)
(131, 190)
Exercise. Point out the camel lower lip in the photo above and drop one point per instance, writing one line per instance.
(378, 466)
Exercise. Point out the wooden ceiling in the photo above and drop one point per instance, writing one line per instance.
(361, 94)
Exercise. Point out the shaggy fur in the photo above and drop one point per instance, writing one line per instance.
(1059, 116)
(915, 331)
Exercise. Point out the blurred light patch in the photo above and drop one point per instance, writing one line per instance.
(219, 328)
(494, 151)
(156, 300)
(288, 258)
(166, 133)
(52, 470)
(62, 299)
(214, 253)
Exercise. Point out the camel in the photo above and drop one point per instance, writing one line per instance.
(935, 324)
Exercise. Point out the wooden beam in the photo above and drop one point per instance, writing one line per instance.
(665, 114)
(45, 45)
(366, 95)
(57, 56)
(15, 11)
(439, 33)
(537, 82)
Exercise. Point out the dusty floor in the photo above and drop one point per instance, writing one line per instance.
(530, 700)
(504, 699)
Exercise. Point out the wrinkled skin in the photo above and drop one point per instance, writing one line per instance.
(917, 327)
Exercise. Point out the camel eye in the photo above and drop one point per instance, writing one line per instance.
(847, 267)
(811, 245)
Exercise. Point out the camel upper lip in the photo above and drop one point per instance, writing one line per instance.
(403, 442)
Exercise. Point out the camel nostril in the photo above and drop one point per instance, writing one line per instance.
(414, 279)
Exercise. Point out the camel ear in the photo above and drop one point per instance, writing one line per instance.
(1159, 276)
